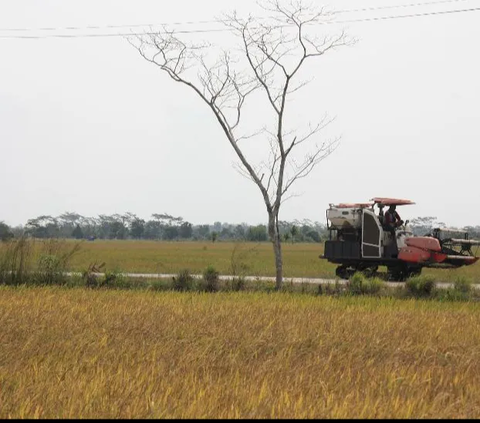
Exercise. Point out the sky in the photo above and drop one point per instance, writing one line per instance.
(88, 125)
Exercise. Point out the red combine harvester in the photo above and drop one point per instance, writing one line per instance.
(360, 240)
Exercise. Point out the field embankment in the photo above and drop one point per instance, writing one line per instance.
(88, 353)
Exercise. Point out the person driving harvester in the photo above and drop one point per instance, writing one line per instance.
(392, 219)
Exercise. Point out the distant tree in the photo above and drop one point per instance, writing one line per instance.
(213, 236)
(42, 227)
(226, 232)
(153, 230)
(425, 225)
(77, 233)
(203, 231)
(314, 236)
(137, 228)
(18, 231)
(5, 232)
(103, 226)
(89, 227)
(239, 232)
(117, 230)
(70, 218)
(185, 230)
(473, 231)
(128, 217)
(167, 219)
(170, 233)
(257, 233)
(293, 233)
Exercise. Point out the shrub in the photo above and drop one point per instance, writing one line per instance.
(17, 264)
(183, 281)
(109, 279)
(15, 261)
(54, 261)
(462, 284)
(374, 285)
(90, 277)
(331, 289)
(210, 279)
(452, 295)
(238, 283)
(360, 285)
(115, 279)
(420, 286)
(159, 285)
(50, 270)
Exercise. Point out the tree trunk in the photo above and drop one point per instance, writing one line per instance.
(274, 233)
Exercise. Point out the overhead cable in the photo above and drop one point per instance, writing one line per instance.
(212, 30)
(336, 12)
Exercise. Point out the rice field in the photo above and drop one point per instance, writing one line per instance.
(256, 259)
(76, 353)
(228, 258)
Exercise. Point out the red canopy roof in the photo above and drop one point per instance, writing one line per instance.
(391, 201)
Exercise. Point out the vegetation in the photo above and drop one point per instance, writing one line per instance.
(359, 284)
(229, 258)
(183, 281)
(43, 262)
(160, 227)
(420, 286)
(136, 348)
(211, 279)
(122, 354)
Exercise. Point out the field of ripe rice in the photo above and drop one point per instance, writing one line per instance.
(122, 354)
(256, 259)
(170, 257)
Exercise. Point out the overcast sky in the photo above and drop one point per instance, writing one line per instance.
(87, 125)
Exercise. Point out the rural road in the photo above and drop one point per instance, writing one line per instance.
(315, 281)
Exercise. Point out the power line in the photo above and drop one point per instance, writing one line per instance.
(76, 28)
(378, 18)
(398, 6)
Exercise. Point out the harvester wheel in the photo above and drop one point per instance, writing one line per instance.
(415, 271)
(369, 272)
(402, 273)
(397, 274)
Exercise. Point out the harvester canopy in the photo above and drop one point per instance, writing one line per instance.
(383, 201)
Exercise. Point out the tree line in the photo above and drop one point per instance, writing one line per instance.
(163, 227)
(170, 228)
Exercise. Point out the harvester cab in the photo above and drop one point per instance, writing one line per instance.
(361, 240)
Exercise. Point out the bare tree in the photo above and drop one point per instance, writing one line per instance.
(266, 64)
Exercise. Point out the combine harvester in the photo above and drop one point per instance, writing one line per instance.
(359, 241)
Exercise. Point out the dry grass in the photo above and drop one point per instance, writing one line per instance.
(110, 354)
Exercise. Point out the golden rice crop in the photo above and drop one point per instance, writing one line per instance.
(123, 354)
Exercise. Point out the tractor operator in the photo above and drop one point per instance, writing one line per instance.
(392, 219)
